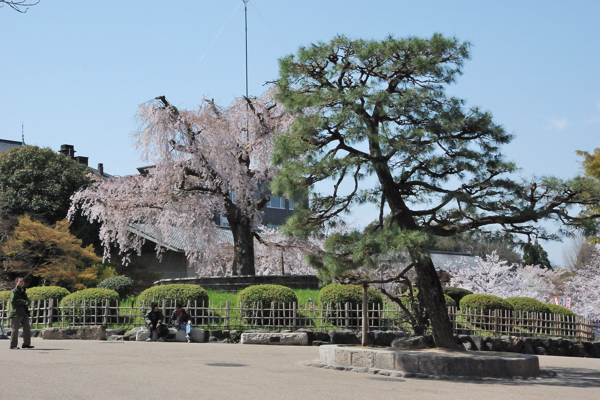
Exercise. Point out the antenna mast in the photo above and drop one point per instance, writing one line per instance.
(246, 26)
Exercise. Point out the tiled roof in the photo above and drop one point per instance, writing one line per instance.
(173, 240)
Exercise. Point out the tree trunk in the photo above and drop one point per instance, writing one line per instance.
(432, 297)
(243, 248)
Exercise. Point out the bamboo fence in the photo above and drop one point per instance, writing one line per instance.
(48, 313)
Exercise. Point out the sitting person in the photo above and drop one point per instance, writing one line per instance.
(181, 320)
(154, 321)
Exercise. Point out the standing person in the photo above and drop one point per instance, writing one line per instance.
(19, 315)
(181, 320)
(154, 320)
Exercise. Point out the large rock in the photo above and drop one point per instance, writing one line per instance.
(413, 343)
(276, 338)
(344, 337)
(385, 338)
(80, 333)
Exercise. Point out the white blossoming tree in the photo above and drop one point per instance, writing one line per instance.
(490, 275)
(584, 288)
(206, 162)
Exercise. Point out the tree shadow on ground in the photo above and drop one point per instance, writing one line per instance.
(570, 377)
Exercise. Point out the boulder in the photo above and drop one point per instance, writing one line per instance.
(344, 337)
(385, 338)
(413, 343)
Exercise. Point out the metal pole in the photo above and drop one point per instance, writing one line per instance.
(246, 27)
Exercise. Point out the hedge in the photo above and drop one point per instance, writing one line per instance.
(174, 293)
(265, 295)
(47, 293)
(90, 296)
(336, 293)
(484, 302)
(257, 300)
(527, 304)
(120, 284)
(556, 309)
(72, 305)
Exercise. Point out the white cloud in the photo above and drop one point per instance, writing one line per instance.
(558, 124)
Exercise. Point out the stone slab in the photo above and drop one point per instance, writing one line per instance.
(78, 333)
(276, 338)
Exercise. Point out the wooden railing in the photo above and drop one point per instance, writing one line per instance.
(209, 315)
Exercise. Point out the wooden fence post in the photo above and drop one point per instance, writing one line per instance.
(106, 310)
(49, 313)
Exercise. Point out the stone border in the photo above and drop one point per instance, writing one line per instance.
(432, 362)
(544, 374)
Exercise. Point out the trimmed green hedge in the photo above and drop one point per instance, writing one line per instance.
(266, 294)
(89, 295)
(47, 293)
(174, 293)
(527, 304)
(120, 284)
(336, 296)
(72, 305)
(556, 309)
(484, 302)
(336, 293)
(257, 302)
(456, 293)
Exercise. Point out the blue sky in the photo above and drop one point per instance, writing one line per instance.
(74, 72)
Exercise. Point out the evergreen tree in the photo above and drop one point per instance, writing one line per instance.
(374, 125)
(534, 254)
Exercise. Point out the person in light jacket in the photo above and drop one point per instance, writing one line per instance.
(181, 320)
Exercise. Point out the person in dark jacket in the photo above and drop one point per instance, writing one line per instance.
(19, 315)
(181, 320)
(154, 321)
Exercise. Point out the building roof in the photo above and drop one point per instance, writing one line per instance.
(6, 145)
(173, 240)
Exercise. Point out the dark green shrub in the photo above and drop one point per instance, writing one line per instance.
(527, 304)
(456, 293)
(47, 292)
(88, 305)
(175, 293)
(484, 303)
(334, 297)
(120, 284)
(258, 300)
